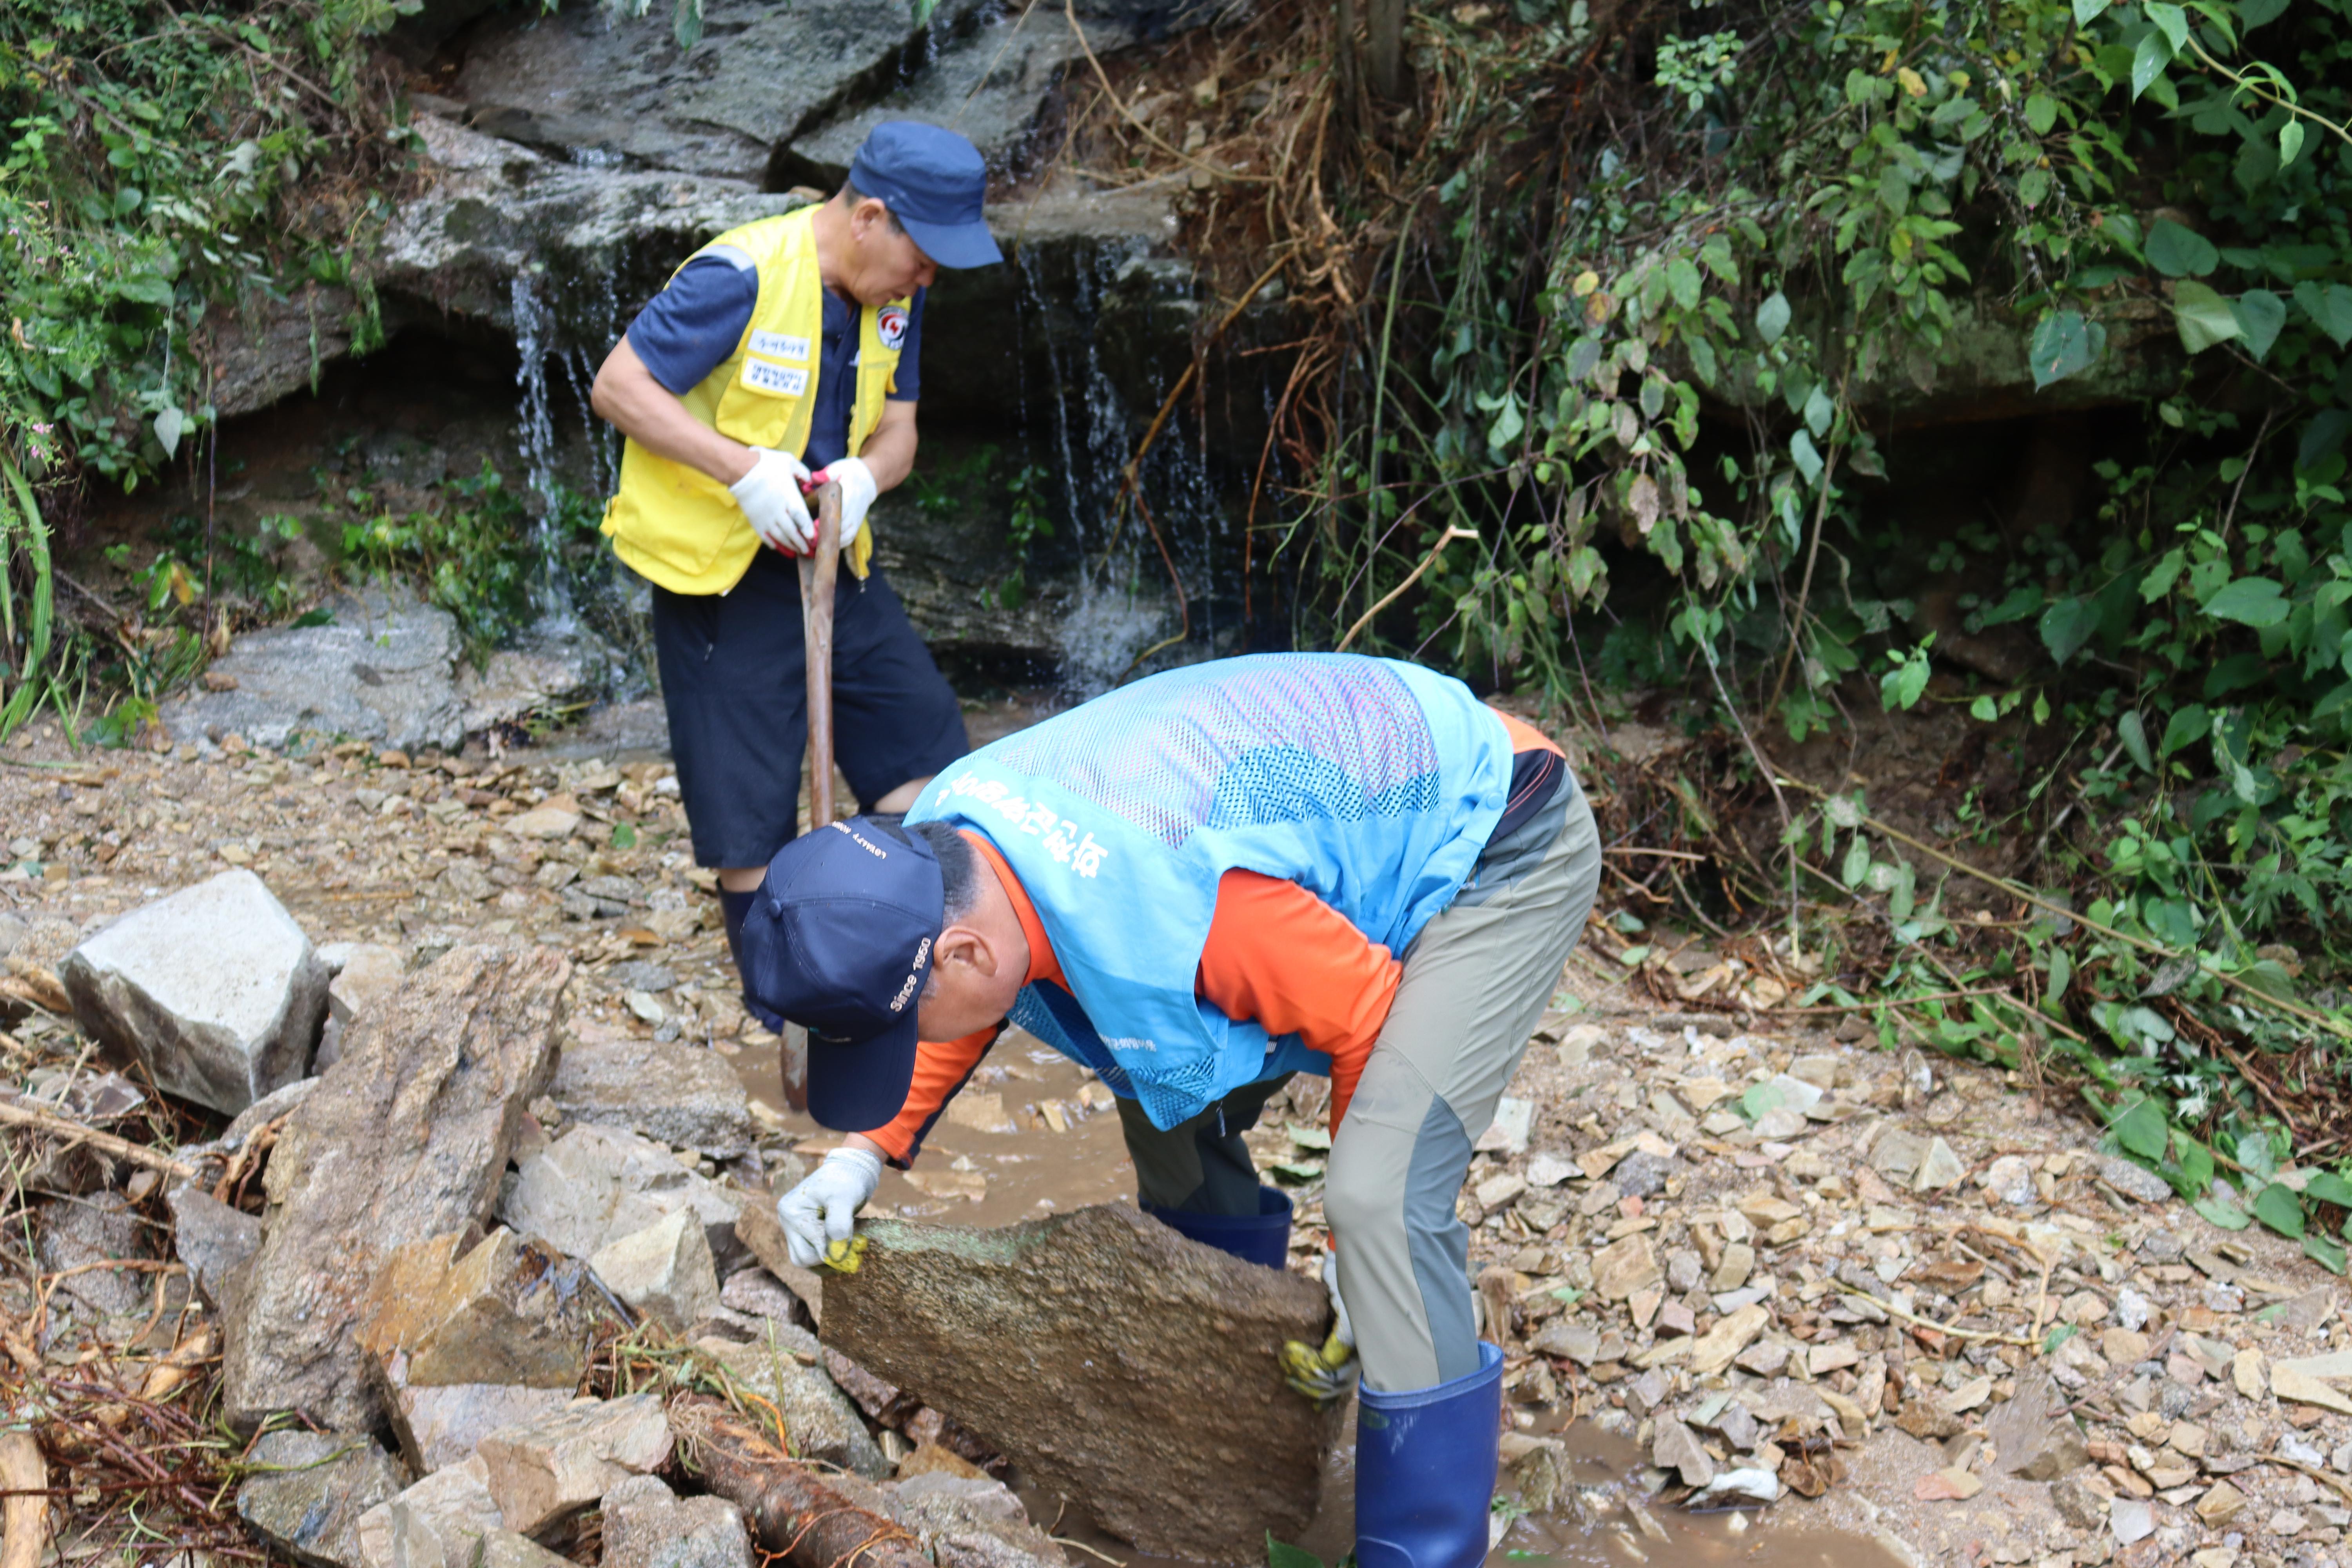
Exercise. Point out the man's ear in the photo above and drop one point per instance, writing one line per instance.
(963, 947)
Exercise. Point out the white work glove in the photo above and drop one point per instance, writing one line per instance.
(819, 1216)
(773, 504)
(858, 492)
(1323, 1375)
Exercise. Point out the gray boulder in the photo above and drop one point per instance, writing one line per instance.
(312, 1489)
(214, 1241)
(685, 1096)
(646, 1525)
(1133, 1371)
(595, 1184)
(405, 1139)
(382, 670)
(215, 990)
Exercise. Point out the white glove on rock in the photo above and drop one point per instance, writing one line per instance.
(858, 492)
(770, 498)
(819, 1216)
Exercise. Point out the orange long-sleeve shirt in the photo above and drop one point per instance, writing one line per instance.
(1275, 954)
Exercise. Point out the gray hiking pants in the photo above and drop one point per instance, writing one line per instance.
(1476, 983)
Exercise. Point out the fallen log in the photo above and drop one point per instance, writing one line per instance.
(792, 1514)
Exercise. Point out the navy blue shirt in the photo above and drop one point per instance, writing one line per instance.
(688, 329)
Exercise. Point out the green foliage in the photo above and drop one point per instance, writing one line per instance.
(472, 551)
(162, 167)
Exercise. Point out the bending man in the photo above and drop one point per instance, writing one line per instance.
(1197, 886)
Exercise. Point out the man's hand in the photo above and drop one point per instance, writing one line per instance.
(819, 1216)
(1323, 1375)
(770, 498)
(858, 490)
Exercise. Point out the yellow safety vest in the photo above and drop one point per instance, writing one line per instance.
(678, 525)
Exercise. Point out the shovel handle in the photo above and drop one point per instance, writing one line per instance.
(818, 572)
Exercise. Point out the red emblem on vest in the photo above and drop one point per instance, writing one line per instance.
(892, 326)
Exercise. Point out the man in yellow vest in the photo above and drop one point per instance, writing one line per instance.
(782, 354)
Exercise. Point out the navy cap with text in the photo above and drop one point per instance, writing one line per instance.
(932, 181)
(838, 940)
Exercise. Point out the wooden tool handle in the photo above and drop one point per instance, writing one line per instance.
(818, 574)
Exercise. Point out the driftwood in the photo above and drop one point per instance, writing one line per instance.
(25, 1515)
(792, 1514)
(74, 1132)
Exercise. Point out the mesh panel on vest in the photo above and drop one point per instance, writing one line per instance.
(1064, 1027)
(1294, 739)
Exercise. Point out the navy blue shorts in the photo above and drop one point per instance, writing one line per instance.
(734, 681)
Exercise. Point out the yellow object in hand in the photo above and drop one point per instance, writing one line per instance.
(1322, 1375)
(843, 1257)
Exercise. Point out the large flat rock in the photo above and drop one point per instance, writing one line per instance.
(215, 990)
(1127, 1370)
(405, 1139)
(383, 669)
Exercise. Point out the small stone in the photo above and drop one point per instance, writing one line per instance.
(2134, 1180)
(2078, 1501)
(2009, 1180)
(646, 1525)
(1819, 1071)
(1823, 1360)
(1781, 1124)
(1549, 1170)
(1940, 1168)
(819, 1418)
(1675, 1449)
(439, 1523)
(1739, 1263)
(1624, 1267)
(214, 990)
(1579, 1343)
(2123, 1347)
(309, 1489)
(1683, 1271)
(1714, 1351)
(365, 973)
(2219, 1506)
(548, 820)
(539, 1473)
(2131, 1519)
(2131, 1308)
(1507, 1133)
(438, 1426)
(664, 1271)
(2250, 1373)
(1641, 1174)
(506, 1310)
(1896, 1155)
(1765, 1358)
(1498, 1191)
(214, 1241)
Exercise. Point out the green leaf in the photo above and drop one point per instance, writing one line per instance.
(1857, 863)
(624, 835)
(2134, 735)
(2280, 1208)
(1631, 957)
(2329, 1188)
(2203, 317)
(2326, 1253)
(2291, 143)
(2250, 600)
(2170, 20)
(2185, 727)
(685, 23)
(2065, 343)
(2067, 626)
(2256, 12)
(2260, 315)
(1759, 1099)
(2041, 113)
(2088, 11)
(2222, 1212)
(145, 288)
(2179, 251)
(2329, 307)
(168, 425)
(2148, 62)
(2058, 1336)
(1683, 279)
(1307, 1137)
(2141, 1129)
(2196, 1163)
(1808, 456)
(1772, 317)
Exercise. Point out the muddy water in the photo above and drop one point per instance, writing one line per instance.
(1034, 1134)
(1047, 1141)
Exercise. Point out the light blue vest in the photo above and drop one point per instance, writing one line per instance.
(1374, 785)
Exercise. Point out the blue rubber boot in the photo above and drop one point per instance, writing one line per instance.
(1425, 1463)
(1263, 1237)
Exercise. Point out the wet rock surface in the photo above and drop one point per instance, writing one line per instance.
(382, 669)
(1169, 1348)
(311, 1491)
(215, 992)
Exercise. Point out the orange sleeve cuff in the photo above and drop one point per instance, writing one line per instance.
(1278, 954)
(941, 1069)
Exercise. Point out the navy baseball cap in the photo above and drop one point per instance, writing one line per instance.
(838, 940)
(932, 181)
